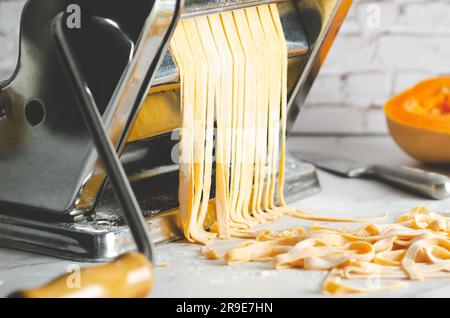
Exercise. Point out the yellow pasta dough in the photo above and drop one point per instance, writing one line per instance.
(233, 72)
(404, 250)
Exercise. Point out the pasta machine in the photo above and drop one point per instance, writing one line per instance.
(54, 195)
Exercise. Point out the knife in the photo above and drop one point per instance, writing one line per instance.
(429, 184)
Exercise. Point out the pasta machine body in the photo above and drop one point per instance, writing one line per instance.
(54, 196)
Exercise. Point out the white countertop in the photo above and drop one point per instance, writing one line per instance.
(189, 275)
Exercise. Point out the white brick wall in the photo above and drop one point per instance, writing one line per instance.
(368, 65)
(365, 67)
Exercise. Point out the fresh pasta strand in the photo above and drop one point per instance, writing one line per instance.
(311, 217)
(334, 286)
(236, 169)
(224, 96)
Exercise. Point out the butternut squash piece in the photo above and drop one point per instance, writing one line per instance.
(419, 120)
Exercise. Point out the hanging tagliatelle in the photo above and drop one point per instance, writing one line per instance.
(233, 72)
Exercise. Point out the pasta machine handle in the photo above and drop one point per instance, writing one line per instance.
(129, 276)
(130, 207)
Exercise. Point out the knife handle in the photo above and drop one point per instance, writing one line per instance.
(129, 276)
(430, 184)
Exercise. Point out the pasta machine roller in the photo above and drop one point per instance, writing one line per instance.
(54, 196)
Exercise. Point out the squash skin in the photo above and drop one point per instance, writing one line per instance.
(424, 145)
(421, 137)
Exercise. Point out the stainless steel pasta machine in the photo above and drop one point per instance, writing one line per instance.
(54, 196)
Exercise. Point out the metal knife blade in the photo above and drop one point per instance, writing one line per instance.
(342, 166)
(429, 184)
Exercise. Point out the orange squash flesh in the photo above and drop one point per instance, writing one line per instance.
(419, 120)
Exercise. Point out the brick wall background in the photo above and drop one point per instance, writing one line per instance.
(369, 62)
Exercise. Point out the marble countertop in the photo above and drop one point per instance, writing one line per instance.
(189, 275)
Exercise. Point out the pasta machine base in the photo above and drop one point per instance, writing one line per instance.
(104, 235)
